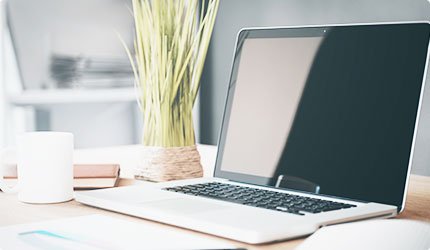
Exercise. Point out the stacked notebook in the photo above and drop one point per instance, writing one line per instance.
(89, 72)
(86, 176)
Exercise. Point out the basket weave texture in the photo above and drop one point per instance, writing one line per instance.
(169, 163)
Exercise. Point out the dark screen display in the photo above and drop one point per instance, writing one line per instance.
(328, 110)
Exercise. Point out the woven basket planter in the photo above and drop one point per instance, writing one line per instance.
(169, 163)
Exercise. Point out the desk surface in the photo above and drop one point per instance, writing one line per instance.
(15, 212)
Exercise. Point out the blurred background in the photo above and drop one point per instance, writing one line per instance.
(64, 67)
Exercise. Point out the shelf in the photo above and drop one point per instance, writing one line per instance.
(69, 96)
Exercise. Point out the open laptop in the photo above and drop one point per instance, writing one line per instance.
(319, 128)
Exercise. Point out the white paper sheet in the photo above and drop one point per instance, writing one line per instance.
(100, 232)
(393, 234)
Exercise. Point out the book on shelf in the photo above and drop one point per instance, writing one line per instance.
(85, 176)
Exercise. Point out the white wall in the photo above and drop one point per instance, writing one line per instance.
(96, 125)
(2, 94)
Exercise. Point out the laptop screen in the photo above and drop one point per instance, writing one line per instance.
(328, 110)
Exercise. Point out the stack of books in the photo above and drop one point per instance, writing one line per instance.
(90, 72)
(86, 176)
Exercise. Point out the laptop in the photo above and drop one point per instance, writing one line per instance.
(318, 129)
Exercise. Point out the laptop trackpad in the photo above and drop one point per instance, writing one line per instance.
(184, 206)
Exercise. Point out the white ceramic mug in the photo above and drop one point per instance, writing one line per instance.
(45, 167)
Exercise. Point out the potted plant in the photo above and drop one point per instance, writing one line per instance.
(171, 43)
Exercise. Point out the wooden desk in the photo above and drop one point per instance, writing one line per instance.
(14, 212)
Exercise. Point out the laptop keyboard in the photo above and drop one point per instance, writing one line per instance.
(254, 197)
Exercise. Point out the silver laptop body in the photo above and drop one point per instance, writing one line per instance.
(319, 128)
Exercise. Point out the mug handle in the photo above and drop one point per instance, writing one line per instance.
(3, 186)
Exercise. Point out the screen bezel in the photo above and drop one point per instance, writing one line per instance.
(297, 31)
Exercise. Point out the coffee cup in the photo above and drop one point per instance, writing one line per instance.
(44, 167)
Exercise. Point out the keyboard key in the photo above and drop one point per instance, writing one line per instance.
(261, 198)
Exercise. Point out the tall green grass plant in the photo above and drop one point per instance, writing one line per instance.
(171, 43)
